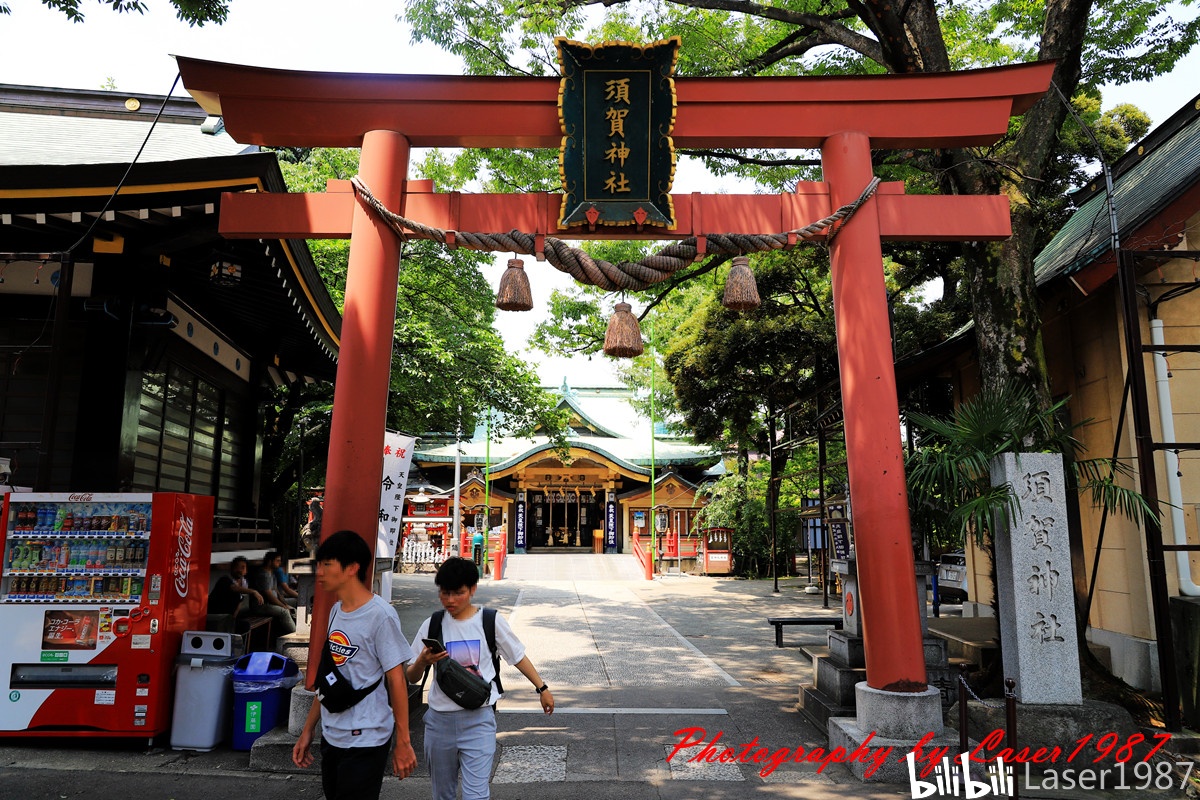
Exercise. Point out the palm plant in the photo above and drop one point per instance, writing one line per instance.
(950, 491)
(951, 495)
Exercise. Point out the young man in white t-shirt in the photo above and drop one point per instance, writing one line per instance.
(367, 645)
(461, 742)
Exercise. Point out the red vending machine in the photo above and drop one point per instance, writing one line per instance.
(95, 594)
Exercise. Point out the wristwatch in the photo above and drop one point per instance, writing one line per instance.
(541, 688)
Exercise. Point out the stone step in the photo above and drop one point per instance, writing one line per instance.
(817, 707)
(836, 681)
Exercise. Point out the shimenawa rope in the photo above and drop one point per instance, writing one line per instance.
(627, 275)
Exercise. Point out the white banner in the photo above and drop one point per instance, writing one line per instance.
(397, 458)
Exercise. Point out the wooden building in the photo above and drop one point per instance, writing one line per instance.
(150, 374)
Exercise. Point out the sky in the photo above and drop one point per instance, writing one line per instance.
(134, 52)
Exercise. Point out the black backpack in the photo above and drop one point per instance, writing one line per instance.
(461, 686)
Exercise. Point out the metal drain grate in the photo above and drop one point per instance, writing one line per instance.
(773, 676)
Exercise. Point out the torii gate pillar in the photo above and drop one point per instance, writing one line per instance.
(360, 393)
(891, 616)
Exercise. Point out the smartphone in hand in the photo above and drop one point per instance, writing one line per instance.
(434, 645)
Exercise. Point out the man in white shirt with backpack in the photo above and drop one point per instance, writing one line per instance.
(457, 739)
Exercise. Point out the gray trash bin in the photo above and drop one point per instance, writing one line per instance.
(203, 691)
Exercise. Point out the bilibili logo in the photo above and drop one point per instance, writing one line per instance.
(949, 779)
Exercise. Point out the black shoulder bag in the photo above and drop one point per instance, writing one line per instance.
(457, 682)
(333, 688)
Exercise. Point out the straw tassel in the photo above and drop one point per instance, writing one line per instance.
(513, 293)
(623, 339)
(741, 292)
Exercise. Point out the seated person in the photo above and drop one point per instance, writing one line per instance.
(231, 592)
(286, 592)
(271, 605)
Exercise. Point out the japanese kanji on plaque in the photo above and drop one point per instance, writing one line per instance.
(617, 111)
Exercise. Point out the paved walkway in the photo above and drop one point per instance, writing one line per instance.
(636, 666)
(573, 567)
(633, 663)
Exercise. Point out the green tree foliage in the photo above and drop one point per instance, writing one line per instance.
(719, 363)
(734, 375)
(449, 365)
(193, 12)
(1092, 42)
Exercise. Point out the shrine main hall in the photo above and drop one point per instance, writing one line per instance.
(596, 496)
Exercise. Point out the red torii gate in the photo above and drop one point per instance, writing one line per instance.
(845, 117)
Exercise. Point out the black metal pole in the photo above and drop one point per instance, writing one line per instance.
(1149, 488)
(823, 514)
(962, 710)
(772, 498)
(1010, 720)
(1087, 609)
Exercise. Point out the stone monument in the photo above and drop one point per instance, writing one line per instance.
(1033, 577)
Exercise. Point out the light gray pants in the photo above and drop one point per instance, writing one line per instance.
(460, 742)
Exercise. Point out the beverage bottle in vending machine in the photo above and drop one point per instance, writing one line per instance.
(86, 628)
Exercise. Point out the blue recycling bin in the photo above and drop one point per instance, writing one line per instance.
(261, 683)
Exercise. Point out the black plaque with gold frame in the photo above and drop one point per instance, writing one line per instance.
(616, 105)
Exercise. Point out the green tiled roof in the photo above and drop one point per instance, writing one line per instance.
(633, 455)
(1144, 184)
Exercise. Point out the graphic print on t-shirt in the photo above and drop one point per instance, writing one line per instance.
(465, 653)
(341, 648)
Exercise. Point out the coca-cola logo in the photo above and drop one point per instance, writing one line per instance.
(183, 555)
(82, 497)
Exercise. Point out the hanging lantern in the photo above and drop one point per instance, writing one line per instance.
(741, 292)
(623, 339)
(513, 293)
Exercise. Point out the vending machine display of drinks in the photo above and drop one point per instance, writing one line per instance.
(95, 594)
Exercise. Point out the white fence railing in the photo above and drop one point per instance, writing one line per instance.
(417, 554)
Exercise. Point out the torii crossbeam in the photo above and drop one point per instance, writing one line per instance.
(846, 118)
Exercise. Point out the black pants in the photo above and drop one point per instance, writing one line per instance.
(352, 773)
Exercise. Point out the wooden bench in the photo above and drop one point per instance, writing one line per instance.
(779, 622)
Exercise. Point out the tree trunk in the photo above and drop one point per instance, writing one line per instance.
(1002, 285)
(1008, 322)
